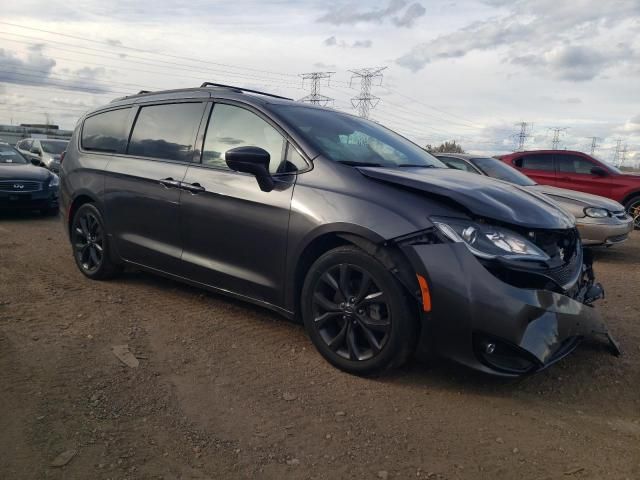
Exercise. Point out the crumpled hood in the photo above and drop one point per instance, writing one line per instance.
(586, 199)
(483, 196)
(23, 172)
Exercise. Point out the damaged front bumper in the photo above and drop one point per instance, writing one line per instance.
(485, 323)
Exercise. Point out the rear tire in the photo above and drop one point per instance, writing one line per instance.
(90, 244)
(633, 208)
(356, 313)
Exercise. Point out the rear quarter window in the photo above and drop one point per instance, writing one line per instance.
(535, 162)
(106, 132)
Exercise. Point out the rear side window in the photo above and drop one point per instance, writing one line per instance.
(232, 127)
(166, 131)
(536, 162)
(106, 132)
(573, 164)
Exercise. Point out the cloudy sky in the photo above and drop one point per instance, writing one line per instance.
(468, 70)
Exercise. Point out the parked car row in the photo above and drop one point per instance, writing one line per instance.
(43, 152)
(370, 241)
(581, 172)
(600, 220)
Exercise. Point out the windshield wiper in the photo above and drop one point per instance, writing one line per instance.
(359, 164)
(406, 165)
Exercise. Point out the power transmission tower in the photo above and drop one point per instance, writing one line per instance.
(555, 143)
(616, 155)
(594, 144)
(523, 135)
(623, 155)
(315, 78)
(366, 101)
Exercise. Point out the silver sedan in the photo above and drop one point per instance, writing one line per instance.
(601, 221)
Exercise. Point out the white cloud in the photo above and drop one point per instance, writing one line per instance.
(351, 14)
(571, 39)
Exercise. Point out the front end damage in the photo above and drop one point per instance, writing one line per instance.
(502, 316)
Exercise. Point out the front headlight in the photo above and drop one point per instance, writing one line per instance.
(595, 212)
(54, 182)
(489, 241)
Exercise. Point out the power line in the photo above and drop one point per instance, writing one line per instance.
(415, 100)
(137, 60)
(37, 80)
(125, 47)
(365, 102)
(314, 78)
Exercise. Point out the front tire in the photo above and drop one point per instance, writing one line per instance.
(356, 313)
(633, 209)
(90, 246)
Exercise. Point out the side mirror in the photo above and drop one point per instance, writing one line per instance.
(35, 161)
(599, 171)
(253, 160)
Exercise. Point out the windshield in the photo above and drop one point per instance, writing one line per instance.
(355, 141)
(9, 155)
(496, 169)
(53, 147)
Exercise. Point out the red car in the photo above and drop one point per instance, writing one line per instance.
(582, 172)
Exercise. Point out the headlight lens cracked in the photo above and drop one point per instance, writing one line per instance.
(489, 241)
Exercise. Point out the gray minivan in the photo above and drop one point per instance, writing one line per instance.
(331, 219)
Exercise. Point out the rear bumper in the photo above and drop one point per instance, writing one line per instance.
(604, 233)
(482, 322)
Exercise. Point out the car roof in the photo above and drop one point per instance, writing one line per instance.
(217, 91)
(544, 151)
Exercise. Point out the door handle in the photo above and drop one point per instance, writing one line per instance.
(169, 183)
(565, 179)
(192, 187)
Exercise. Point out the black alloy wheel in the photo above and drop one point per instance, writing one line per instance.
(350, 312)
(357, 314)
(89, 242)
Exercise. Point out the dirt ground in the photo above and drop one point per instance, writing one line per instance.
(226, 390)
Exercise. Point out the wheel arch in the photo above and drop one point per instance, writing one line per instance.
(630, 196)
(81, 198)
(365, 239)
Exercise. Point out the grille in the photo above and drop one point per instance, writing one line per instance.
(20, 186)
(621, 215)
(567, 272)
(617, 238)
(559, 245)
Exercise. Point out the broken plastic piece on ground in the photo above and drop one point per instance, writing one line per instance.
(125, 356)
(64, 458)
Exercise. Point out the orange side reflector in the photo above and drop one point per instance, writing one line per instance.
(424, 289)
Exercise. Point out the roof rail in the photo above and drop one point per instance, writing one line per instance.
(240, 89)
